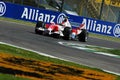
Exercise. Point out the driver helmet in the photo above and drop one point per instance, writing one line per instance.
(65, 19)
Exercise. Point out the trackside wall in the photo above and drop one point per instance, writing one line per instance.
(35, 14)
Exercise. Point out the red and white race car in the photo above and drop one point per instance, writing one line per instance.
(59, 30)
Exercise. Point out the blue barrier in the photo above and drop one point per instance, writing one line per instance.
(35, 14)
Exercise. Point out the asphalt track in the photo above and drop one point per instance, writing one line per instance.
(24, 36)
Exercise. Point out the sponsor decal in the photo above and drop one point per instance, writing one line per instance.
(116, 30)
(93, 25)
(60, 17)
(2, 8)
(33, 14)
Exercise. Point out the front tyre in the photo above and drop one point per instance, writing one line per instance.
(41, 25)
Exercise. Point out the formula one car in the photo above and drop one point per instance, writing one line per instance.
(58, 30)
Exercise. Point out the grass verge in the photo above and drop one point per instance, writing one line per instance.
(11, 77)
(27, 64)
(104, 37)
(105, 50)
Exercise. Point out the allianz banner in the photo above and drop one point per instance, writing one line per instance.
(35, 14)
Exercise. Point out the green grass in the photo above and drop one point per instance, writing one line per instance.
(11, 77)
(105, 50)
(17, 21)
(31, 55)
(104, 37)
(109, 38)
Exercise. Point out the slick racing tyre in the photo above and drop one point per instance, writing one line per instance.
(83, 36)
(66, 33)
(39, 24)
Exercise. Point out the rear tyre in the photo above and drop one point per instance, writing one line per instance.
(66, 33)
(83, 36)
(38, 25)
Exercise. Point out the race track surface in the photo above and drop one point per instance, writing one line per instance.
(24, 36)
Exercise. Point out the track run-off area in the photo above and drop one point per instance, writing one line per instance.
(23, 36)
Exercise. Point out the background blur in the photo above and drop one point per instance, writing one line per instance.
(106, 10)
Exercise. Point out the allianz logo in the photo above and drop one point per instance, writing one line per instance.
(60, 18)
(36, 15)
(116, 30)
(94, 26)
(2, 8)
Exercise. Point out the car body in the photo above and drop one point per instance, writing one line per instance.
(58, 30)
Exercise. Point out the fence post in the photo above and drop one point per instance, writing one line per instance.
(62, 4)
(118, 21)
(101, 9)
(86, 13)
